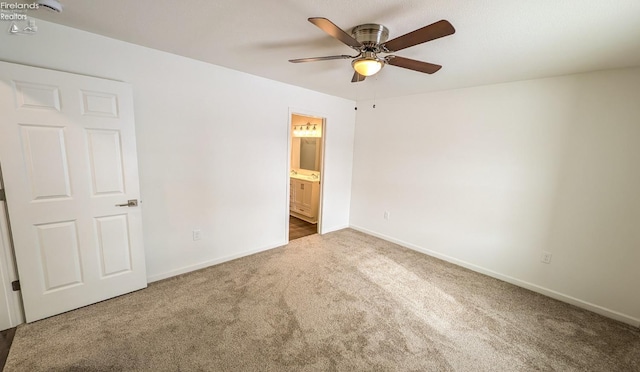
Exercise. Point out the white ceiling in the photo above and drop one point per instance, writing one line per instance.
(495, 40)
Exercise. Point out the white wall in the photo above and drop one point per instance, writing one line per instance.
(489, 177)
(212, 145)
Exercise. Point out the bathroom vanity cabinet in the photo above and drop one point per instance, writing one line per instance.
(304, 199)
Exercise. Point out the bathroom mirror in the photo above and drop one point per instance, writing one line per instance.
(309, 153)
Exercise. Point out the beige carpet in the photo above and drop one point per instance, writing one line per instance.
(343, 301)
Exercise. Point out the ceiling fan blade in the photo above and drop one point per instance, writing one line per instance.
(357, 77)
(335, 31)
(422, 35)
(315, 59)
(412, 64)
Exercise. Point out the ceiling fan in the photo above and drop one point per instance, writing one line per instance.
(371, 39)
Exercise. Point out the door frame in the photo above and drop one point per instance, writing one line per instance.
(314, 114)
(11, 300)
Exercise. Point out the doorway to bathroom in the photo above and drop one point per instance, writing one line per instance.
(305, 174)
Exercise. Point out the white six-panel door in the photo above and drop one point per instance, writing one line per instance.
(68, 155)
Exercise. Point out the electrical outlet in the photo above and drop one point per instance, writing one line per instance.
(546, 257)
(387, 215)
(197, 234)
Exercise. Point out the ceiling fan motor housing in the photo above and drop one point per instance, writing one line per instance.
(370, 34)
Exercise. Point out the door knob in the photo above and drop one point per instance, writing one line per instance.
(129, 203)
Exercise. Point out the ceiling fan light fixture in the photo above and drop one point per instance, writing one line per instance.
(368, 64)
(367, 67)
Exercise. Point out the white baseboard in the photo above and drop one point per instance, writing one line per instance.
(215, 261)
(520, 283)
(333, 228)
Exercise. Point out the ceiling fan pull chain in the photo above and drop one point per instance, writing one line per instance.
(375, 79)
(357, 96)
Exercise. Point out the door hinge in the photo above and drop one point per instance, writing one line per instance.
(15, 285)
(3, 197)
